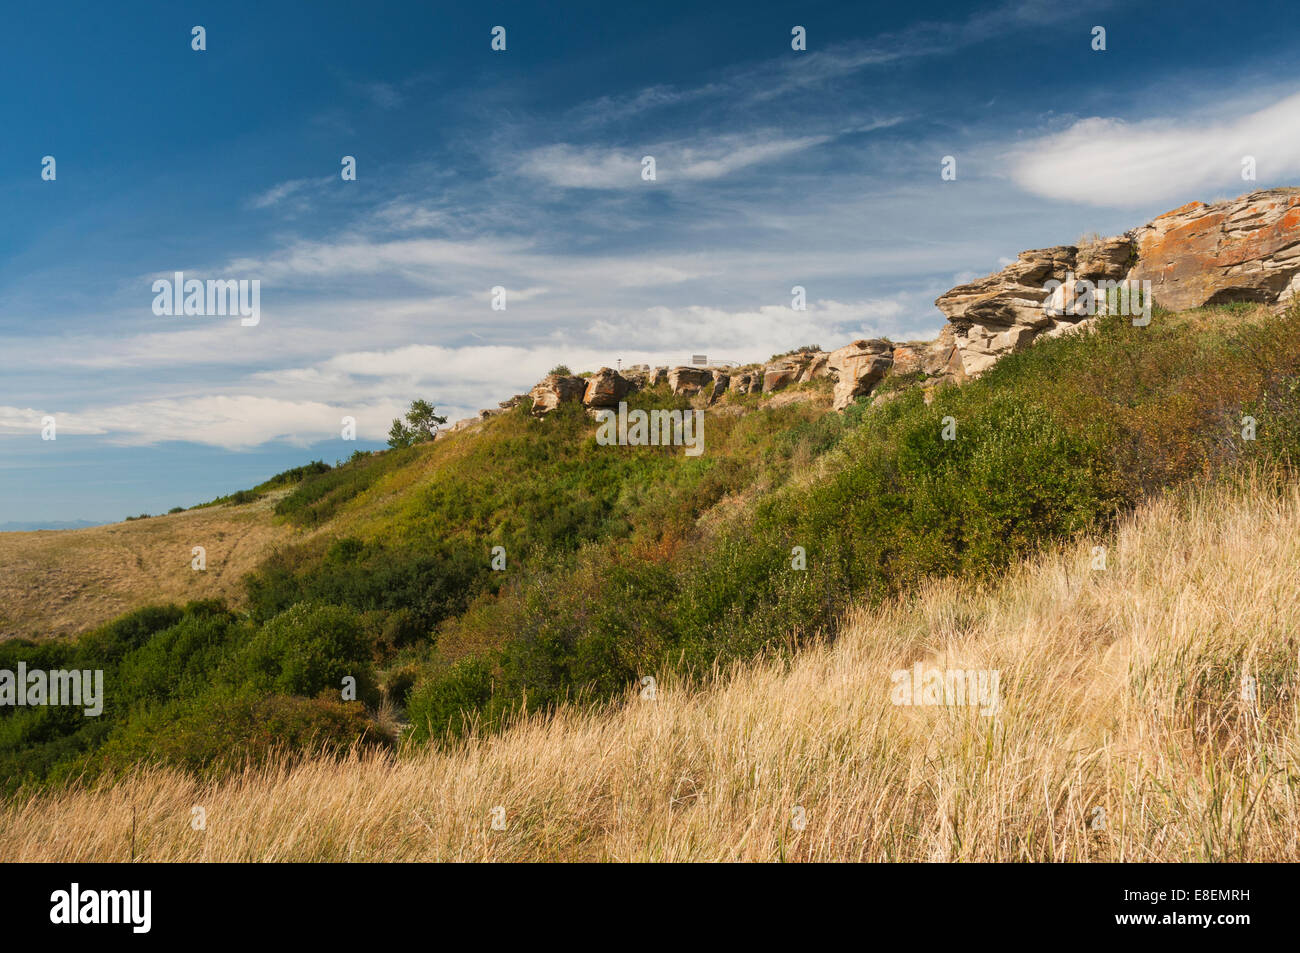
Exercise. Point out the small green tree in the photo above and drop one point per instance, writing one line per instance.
(399, 435)
(421, 425)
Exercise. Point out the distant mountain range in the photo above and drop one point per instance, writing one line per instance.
(19, 527)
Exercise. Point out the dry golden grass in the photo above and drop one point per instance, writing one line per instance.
(57, 583)
(1119, 690)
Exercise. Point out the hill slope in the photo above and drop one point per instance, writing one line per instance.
(62, 583)
(1120, 691)
(622, 561)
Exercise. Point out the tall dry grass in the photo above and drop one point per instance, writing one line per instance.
(1120, 690)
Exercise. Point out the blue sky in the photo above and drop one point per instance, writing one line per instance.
(521, 169)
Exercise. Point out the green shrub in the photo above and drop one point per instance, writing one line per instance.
(307, 649)
(398, 683)
(224, 730)
(319, 495)
(402, 628)
(442, 706)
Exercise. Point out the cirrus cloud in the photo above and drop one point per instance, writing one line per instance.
(1111, 162)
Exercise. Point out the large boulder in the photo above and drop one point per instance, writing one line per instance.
(814, 367)
(982, 346)
(779, 375)
(689, 381)
(555, 389)
(1243, 249)
(1011, 296)
(797, 368)
(857, 368)
(605, 388)
(907, 358)
(747, 382)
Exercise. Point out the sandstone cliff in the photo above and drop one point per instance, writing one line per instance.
(1242, 249)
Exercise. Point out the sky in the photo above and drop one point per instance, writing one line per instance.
(522, 169)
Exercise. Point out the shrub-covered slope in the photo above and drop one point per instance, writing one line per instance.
(625, 561)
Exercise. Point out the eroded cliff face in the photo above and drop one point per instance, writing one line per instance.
(1246, 249)
(1242, 249)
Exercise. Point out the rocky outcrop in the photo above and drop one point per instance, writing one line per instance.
(605, 388)
(1004, 312)
(857, 368)
(1244, 249)
(555, 389)
(939, 358)
(814, 367)
(689, 381)
(797, 368)
(779, 375)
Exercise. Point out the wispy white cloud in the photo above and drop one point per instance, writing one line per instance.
(828, 60)
(431, 260)
(601, 167)
(754, 334)
(233, 422)
(279, 193)
(305, 404)
(27, 421)
(409, 215)
(1113, 162)
(383, 95)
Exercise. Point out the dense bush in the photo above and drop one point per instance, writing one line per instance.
(305, 650)
(197, 686)
(320, 494)
(428, 585)
(227, 729)
(285, 478)
(440, 707)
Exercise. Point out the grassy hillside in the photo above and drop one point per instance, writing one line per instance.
(59, 584)
(1120, 691)
(628, 561)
